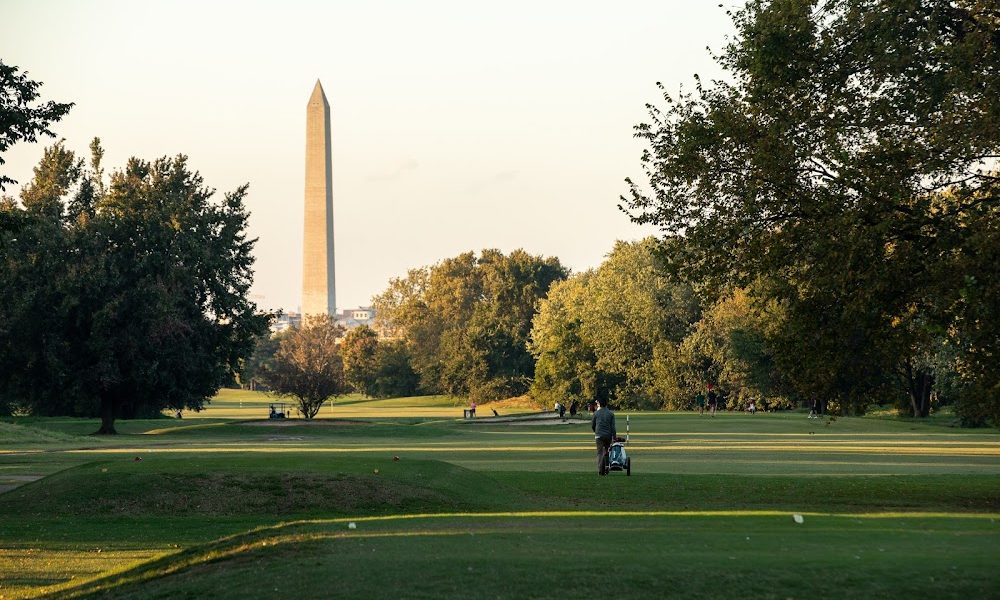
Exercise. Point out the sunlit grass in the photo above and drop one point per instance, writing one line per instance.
(853, 479)
(487, 552)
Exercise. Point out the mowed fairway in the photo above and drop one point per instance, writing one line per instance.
(226, 505)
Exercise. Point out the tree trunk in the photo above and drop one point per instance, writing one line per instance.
(107, 416)
(926, 385)
(919, 384)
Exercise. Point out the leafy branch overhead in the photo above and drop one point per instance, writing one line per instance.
(21, 119)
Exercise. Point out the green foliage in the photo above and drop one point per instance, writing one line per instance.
(394, 374)
(609, 332)
(359, 350)
(465, 321)
(732, 347)
(816, 170)
(19, 119)
(308, 365)
(265, 347)
(123, 301)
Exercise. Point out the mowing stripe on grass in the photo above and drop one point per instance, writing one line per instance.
(819, 448)
(880, 434)
(570, 514)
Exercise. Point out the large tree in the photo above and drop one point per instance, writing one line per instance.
(466, 320)
(127, 298)
(359, 348)
(732, 347)
(613, 332)
(308, 365)
(816, 167)
(21, 118)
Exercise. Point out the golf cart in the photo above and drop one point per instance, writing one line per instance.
(618, 460)
(277, 414)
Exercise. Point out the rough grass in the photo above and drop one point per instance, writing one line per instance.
(222, 486)
(13, 435)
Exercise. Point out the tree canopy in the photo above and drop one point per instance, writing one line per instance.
(124, 299)
(308, 365)
(845, 168)
(609, 332)
(465, 321)
(20, 119)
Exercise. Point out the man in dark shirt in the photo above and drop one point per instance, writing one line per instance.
(603, 424)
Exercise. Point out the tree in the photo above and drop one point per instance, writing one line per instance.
(265, 347)
(19, 119)
(495, 348)
(359, 349)
(610, 332)
(816, 166)
(308, 365)
(465, 320)
(394, 374)
(732, 347)
(565, 362)
(139, 302)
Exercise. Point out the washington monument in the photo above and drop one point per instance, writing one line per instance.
(318, 281)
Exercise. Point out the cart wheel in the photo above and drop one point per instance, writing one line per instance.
(628, 466)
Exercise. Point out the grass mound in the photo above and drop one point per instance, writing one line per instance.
(23, 435)
(240, 485)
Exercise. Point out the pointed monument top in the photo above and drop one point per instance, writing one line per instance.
(318, 95)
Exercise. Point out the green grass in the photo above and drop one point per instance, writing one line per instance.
(221, 507)
(572, 556)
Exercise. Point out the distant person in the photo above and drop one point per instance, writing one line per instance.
(472, 410)
(574, 407)
(179, 415)
(561, 409)
(699, 401)
(713, 399)
(814, 412)
(752, 409)
(603, 424)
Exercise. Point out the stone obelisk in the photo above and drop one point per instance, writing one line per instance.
(318, 281)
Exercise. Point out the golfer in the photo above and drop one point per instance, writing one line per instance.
(603, 424)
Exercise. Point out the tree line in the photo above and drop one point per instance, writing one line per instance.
(830, 218)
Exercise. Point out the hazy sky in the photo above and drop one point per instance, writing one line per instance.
(456, 125)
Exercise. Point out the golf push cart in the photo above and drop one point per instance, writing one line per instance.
(618, 460)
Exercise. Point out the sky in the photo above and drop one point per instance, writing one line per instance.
(456, 125)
